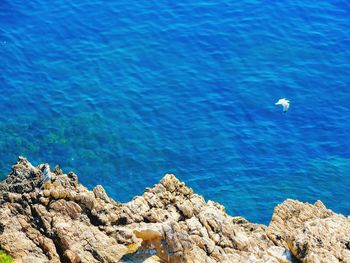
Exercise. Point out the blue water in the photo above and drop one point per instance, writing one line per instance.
(122, 92)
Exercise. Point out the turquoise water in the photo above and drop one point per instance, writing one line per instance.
(122, 92)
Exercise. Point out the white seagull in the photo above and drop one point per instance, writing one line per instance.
(284, 102)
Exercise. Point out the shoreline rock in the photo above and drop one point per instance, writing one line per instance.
(47, 216)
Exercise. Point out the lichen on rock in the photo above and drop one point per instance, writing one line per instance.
(4, 258)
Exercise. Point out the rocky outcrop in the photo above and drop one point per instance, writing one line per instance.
(47, 216)
(312, 232)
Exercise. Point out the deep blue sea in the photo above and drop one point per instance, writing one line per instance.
(122, 92)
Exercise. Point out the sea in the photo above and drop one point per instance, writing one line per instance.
(122, 92)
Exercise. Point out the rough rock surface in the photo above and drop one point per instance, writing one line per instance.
(312, 232)
(49, 217)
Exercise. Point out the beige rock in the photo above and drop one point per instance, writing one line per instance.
(100, 192)
(312, 232)
(283, 255)
(69, 208)
(186, 208)
(63, 220)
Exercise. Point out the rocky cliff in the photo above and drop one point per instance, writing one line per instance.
(47, 216)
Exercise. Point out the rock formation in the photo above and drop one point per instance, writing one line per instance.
(47, 216)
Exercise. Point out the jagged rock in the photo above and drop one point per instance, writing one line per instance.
(100, 192)
(49, 217)
(312, 232)
(283, 255)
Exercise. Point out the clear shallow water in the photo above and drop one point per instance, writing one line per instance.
(125, 91)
